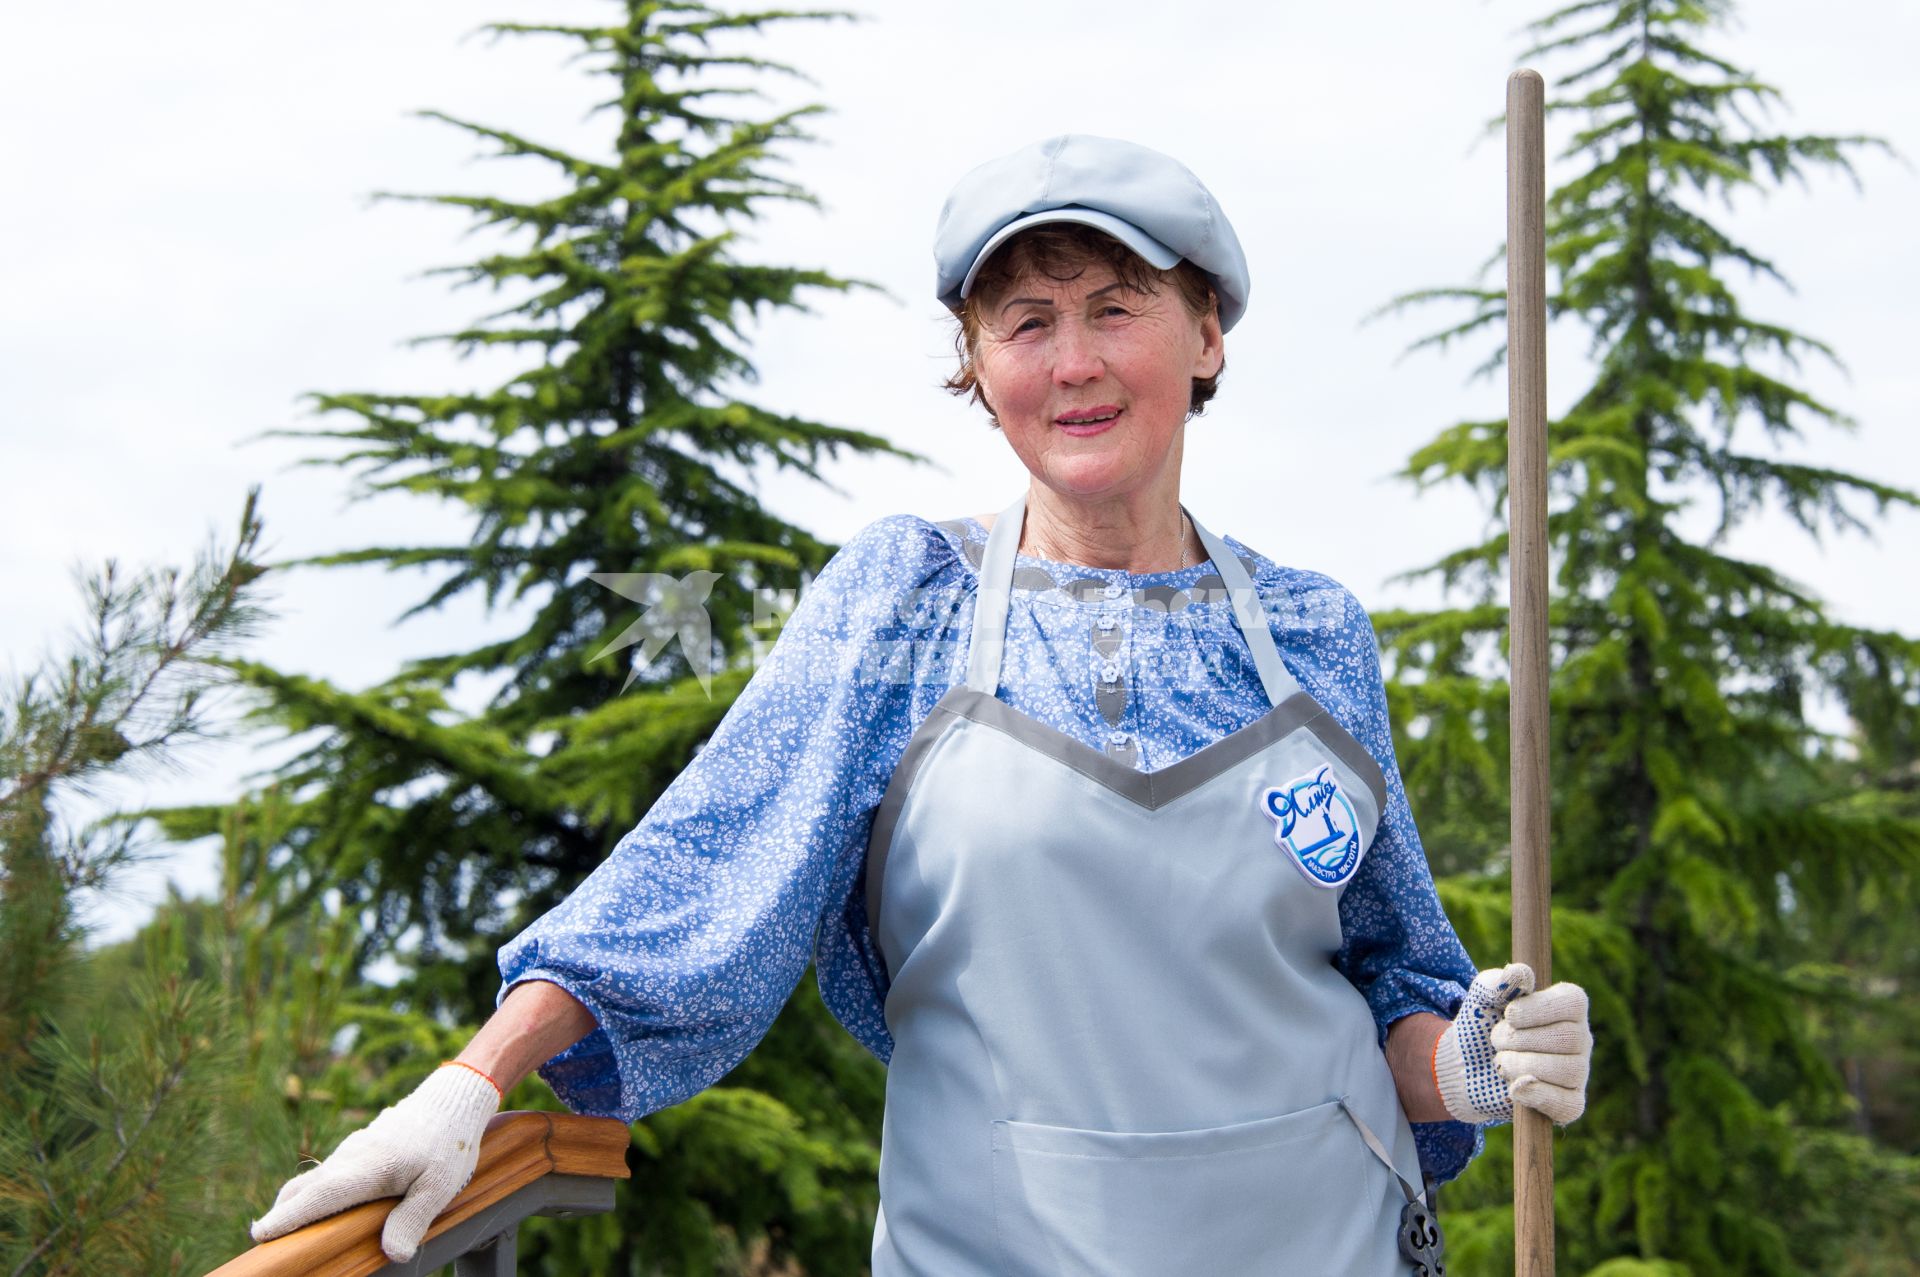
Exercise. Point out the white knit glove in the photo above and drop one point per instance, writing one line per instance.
(1511, 1045)
(423, 1147)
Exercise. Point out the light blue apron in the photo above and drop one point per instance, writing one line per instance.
(1120, 1044)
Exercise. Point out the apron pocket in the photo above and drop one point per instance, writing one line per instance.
(1287, 1194)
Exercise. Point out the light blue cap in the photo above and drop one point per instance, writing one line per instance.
(1148, 201)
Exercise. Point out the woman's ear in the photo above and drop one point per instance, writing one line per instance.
(1213, 347)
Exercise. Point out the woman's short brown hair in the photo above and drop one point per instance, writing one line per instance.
(1064, 250)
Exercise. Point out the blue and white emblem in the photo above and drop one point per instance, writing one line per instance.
(1315, 824)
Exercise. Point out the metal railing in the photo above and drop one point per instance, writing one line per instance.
(530, 1164)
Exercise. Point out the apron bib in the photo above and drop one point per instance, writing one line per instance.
(1120, 1045)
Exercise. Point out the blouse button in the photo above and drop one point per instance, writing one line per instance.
(1114, 590)
(1108, 623)
(1117, 738)
(1110, 672)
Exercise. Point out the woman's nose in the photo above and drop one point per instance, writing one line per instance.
(1076, 354)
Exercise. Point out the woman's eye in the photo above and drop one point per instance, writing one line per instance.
(1022, 327)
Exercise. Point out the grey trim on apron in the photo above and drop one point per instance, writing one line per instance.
(1292, 708)
(1151, 790)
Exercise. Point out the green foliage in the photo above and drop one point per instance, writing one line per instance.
(102, 1135)
(116, 1078)
(617, 449)
(609, 453)
(1713, 848)
(153, 1091)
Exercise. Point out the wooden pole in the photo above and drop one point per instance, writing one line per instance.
(1527, 621)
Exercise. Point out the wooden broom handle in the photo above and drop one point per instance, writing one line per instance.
(1527, 636)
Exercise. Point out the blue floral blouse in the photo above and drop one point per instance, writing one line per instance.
(687, 941)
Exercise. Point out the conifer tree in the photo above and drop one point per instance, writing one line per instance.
(1707, 836)
(152, 1090)
(111, 1074)
(618, 449)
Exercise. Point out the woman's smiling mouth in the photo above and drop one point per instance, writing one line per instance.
(1088, 421)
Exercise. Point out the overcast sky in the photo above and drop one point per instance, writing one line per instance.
(190, 246)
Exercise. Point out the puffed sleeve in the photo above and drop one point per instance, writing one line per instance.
(686, 942)
(1398, 948)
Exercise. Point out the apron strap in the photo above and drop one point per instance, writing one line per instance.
(1274, 675)
(1380, 1151)
(1418, 1234)
(996, 581)
(996, 591)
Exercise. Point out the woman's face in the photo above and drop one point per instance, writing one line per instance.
(1051, 352)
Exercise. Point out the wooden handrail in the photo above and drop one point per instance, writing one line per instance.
(518, 1149)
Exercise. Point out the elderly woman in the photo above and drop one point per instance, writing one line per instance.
(1088, 817)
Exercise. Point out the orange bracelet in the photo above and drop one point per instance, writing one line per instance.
(1433, 1066)
(464, 1065)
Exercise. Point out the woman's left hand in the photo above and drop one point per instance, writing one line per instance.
(1509, 1045)
(1543, 1048)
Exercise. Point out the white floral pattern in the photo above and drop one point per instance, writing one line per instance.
(689, 939)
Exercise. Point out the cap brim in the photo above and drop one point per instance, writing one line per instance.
(1156, 253)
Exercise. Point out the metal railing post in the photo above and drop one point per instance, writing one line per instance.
(495, 1259)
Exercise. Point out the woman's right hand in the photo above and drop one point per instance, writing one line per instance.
(422, 1149)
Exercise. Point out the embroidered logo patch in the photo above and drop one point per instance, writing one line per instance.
(1315, 824)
